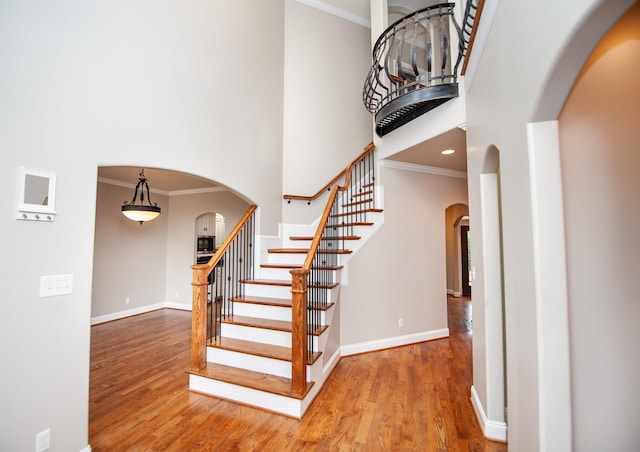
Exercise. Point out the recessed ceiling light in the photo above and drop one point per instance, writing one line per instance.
(448, 151)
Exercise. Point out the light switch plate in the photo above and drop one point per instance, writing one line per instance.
(53, 285)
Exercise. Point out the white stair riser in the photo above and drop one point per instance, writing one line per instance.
(283, 274)
(247, 333)
(262, 335)
(249, 362)
(264, 290)
(262, 311)
(268, 312)
(286, 258)
(272, 402)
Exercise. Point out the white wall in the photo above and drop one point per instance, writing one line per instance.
(128, 259)
(326, 61)
(401, 273)
(150, 264)
(599, 138)
(191, 86)
(181, 229)
(516, 83)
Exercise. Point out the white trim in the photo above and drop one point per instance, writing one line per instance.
(318, 4)
(135, 311)
(491, 429)
(385, 163)
(551, 294)
(86, 449)
(381, 344)
(196, 191)
(178, 306)
(331, 364)
(191, 191)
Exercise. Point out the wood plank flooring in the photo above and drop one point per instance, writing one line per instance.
(412, 398)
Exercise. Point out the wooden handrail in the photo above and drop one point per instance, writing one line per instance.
(299, 289)
(315, 243)
(369, 148)
(472, 37)
(199, 295)
(230, 238)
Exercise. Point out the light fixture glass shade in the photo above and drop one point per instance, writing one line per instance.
(141, 213)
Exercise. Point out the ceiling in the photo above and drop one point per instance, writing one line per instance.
(429, 153)
(158, 179)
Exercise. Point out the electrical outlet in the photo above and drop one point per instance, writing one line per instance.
(127, 300)
(43, 440)
(400, 323)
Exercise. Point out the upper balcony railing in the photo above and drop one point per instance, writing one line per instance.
(412, 70)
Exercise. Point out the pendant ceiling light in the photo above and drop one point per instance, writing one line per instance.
(141, 212)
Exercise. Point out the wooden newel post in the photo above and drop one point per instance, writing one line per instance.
(299, 330)
(199, 317)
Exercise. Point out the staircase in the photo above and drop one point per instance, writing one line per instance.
(260, 332)
(250, 362)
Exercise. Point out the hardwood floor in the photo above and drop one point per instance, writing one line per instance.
(407, 398)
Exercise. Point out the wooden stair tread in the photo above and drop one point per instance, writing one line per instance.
(249, 379)
(267, 324)
(305, 251)
(357, 203)
(340, 237)
(282, 283)
(258, 349)
(354, 223)
(292, 266)
(356, 212)
(252, 348)
(364, 193)
(255, 322)
(268, 282)
(282, 302)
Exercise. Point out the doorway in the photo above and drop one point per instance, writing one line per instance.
(465, 258)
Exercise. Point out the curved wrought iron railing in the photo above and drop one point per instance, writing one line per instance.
(414, 69)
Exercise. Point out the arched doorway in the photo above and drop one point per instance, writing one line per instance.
(598, 131)
(457, 221)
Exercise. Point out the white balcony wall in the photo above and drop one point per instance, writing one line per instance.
(325, 123)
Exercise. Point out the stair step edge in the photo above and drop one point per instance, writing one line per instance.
(258, 349)
(267, 324)
(250, 379)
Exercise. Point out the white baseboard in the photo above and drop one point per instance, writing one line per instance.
(381, 344)
(496, 430)
(86, 449)
(331, 364)
(135, 311)
(450, 292)
(179, 306)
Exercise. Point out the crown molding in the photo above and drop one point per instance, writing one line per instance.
(422, 169)
(155, 191)
(319, 4)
